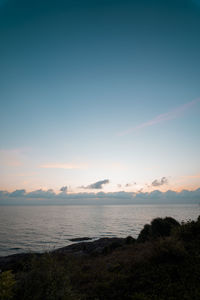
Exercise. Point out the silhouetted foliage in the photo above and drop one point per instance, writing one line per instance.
(145, 234)
(130, 240)
(166, 266)
(158, 228)
(45, 278)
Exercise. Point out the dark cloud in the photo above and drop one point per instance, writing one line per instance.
(97, 185)
(162, 181)
(64, 189)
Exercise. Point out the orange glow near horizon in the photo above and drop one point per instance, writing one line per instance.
(177, 189)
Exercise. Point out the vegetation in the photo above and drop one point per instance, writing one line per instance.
(7, 283)
(162, 264)
(158, 228)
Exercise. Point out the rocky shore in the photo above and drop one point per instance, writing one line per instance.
(162, 263)
(83, 248)
(94, 247)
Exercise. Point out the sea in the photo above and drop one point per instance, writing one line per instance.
(45, 228)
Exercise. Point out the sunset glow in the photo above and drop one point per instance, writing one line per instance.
(99, 91)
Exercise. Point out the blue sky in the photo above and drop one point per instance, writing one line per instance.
(99, 90)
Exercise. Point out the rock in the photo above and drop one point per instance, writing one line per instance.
(96, 247)
(80, 239)
(100, 246)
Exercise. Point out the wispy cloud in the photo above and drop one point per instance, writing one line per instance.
(175, 113)
(64, 166)
(129, 184)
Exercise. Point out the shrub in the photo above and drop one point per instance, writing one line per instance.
(169, 250)
(46, 279)
(7, 283)
(189, 230)
(139, 296)
(159, 228)
(145, 233)
(129, 240)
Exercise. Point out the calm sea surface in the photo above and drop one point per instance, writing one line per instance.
(40, 228)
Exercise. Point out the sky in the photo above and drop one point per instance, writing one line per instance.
(99, 96)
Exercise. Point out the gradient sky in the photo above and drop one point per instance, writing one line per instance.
(100, 90)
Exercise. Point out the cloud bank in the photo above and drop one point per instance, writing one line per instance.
(49, 197)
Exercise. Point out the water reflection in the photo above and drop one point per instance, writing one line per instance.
(40, 228)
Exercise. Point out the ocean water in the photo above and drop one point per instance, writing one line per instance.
(44, 228)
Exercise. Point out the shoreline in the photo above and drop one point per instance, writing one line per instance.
(82, 248)
(163, 261)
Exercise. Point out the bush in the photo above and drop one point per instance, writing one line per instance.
(159, 228)
(45, 279)
(7, 283)
(129, 240)
(139, 296)
(189, 231)
(145, 234)
(169, 250)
